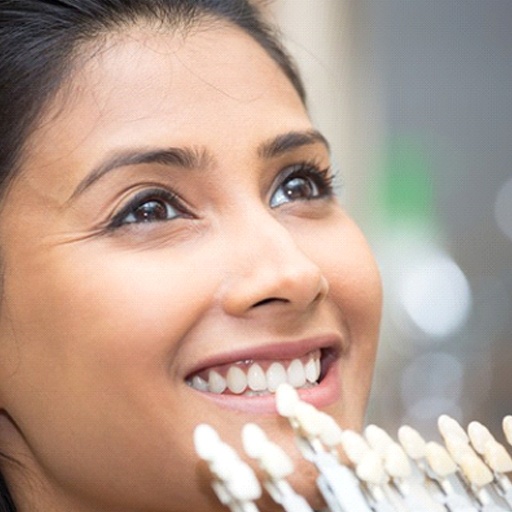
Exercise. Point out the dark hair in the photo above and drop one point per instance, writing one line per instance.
(39, 40)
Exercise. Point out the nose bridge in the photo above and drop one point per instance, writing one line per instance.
(268, 265)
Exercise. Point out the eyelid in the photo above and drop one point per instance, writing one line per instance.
(155, 192)
(313, 168)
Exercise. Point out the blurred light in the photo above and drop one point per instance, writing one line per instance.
(503, 208)
(428, 409)
(436, 295)
(436, 375)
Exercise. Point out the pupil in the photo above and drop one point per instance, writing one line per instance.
(297, 188)
(152, 210)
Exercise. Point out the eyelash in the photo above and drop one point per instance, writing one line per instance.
(163, 196)
(322, 179)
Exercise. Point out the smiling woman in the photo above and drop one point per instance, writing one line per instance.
(170, 242)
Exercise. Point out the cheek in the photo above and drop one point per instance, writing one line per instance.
(99, 321)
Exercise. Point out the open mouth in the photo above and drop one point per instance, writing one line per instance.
(262, 377)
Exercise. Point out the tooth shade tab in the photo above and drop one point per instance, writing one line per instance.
(331, 433)
(497, 457)
(449, 427)
(439, 459)
(412, 442)
(254, 440)
(370, 468)
(475, 470)
(205, 441)
(354, 445)
(378, 439)
(479, 435)
(287, 399)
(396, 462)
(309, 418)
(507, 428)
(275, 461)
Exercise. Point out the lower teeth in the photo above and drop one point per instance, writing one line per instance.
(250, 392)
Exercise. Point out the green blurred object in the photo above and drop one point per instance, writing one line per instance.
(407, 191)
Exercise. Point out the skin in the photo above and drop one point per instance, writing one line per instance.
(100, 327)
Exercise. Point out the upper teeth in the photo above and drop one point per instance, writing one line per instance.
(253, 379)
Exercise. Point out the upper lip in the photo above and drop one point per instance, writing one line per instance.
(285, 350)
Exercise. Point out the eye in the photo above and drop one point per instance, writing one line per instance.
(147, 207)
(302, 182)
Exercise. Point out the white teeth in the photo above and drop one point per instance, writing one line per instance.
(216, 382)
(296, 375)
(311, 369)
(256, 378)
(199, 383)
(276, 374)
(236, 380)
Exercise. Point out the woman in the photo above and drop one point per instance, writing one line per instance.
(170, 242)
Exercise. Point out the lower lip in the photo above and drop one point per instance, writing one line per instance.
(322, 395)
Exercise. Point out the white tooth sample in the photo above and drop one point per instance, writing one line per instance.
(205, 440)
(439, 459)
(276, 375)
(296, 374)
(377, 438)
(370, 468)
(412, 442)
(254, 440)
(458, 448)
(451, 428)
(275, 461)
(309, 418)
(236, 380)
(287, 399)
(479, 435)
(354, 445)
(507, 428)
(311, 371)
(256, 379)
(243, 484)
(475, 470)
(199, 383)
(216, 382)
(331, 432)
(497, 457)
(396, 462)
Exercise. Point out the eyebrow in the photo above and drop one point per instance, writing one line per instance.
(289, 141)
(185, 158)
(193, 157)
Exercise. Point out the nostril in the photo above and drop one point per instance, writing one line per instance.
(269, 301)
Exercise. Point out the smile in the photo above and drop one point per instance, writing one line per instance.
(259, 377)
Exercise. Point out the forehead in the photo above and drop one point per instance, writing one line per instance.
(142, 74)
(213, 87)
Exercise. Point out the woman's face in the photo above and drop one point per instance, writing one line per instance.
(173, 221)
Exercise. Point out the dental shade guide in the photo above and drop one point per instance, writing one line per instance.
(466, 474)
(234, 483)
(276, 464)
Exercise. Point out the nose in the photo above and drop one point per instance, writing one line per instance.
(268, 266)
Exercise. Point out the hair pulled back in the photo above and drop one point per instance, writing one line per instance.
(39, 40)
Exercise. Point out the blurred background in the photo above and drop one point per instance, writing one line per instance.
(416, 99)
